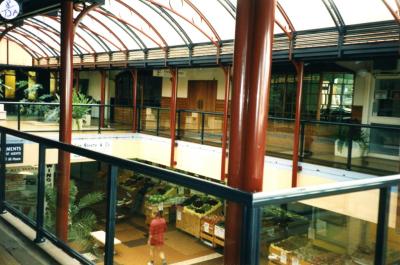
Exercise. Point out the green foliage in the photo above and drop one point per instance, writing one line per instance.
(79, 111)
(81, 220)
(358, 135)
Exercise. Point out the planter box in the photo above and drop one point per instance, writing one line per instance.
(356, 151)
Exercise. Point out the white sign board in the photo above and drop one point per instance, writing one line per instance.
(99, 145)
(9, 9)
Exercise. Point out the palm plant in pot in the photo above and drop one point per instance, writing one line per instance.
(79, 111)
(359, 141)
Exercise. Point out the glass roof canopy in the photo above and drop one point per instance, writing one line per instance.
(126, 25)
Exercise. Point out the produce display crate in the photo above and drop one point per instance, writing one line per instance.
(151, 210)
(190, 221)
(212, 233)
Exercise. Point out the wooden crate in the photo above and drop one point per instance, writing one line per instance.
(190, 222)
(151, 210)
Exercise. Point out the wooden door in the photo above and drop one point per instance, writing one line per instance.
(202, 95)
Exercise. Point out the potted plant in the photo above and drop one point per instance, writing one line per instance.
(359, 142)
(81, 219)
(79, 112)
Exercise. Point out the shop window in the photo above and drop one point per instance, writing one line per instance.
(387, 98)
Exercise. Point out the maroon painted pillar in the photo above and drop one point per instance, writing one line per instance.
(295, 167)
(249, 109)
(102, 97)
(134, 97)
(227, 72)
(172, 115)
(66, 80)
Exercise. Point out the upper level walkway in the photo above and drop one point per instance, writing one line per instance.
(15, 249)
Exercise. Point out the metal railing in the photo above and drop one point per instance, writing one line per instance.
(252, 203)
(318, 139)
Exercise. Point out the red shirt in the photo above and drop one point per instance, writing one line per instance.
(158, 226)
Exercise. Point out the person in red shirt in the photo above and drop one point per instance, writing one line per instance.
(158, 227)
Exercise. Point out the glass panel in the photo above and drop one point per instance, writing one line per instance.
(87, 204)
(393, 243)
(190, 123)
(362, 11)
(310, 14)
(213, 125)
(39, 117)
(387, 98)
(280, 137)
(21, 175)
(188, 214)
(331, 230)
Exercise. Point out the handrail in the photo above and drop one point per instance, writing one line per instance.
(303, 193)
(202, 185)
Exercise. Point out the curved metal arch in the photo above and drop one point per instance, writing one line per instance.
(95, 37)
(31, 52)
(172, 22)
(100, 36)
(204, 18)
(128, 31)
(285, 16)
(108, 29)
(228, 8)
(49, 47)
(45, 31)
(186, 19)
(6, 30)
(34, 40)
(28, 38)
(145, 20)
(335, 14)
(395, 14)
(44, 24)
(136, 28)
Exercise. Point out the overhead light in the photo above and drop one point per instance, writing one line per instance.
(26, 173)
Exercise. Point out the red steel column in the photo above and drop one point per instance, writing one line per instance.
(295, 167)
(134, 94)
(227, 71)
(249, 109)
(66, 81)
(172, 114)
(102, 97)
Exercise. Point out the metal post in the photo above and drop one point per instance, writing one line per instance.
(66, 81)
(134, 94)
(249, 108)
(227, 71)
(302, 130)
(111, 212)
(139, 128)
(102, 99)
(349, 147)
(251, 234)
(178, 133)
(40, 194)
(158, 122)
(382, 228)
(203, 116)
(19, 116)
(295, 162)
(172, 114)
(3, 171)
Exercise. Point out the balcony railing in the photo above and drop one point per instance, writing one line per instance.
(349, 146)
(33, 204)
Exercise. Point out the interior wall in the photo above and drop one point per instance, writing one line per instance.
(193, 74)
(17, 55)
